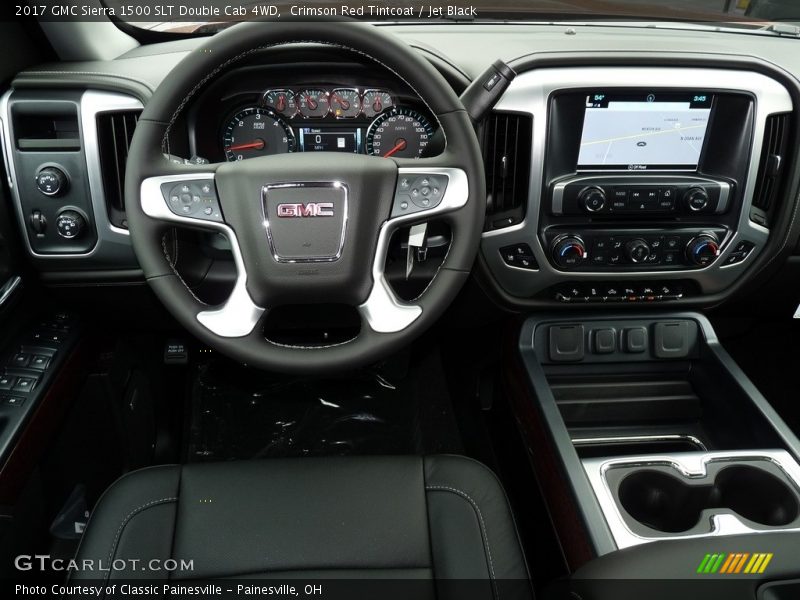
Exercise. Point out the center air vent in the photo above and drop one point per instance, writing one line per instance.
(114, 134)
(771, 169)
(507, 159)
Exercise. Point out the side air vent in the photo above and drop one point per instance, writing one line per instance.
(507, 159)
(771, 169)
(114, 134)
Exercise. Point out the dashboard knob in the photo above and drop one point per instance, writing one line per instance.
(569, 251)
(637, 251)
(696, 199)
(70, 224)
(52, 181)
(702, 250)
(592, 199)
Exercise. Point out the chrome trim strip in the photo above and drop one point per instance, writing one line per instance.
(8, 289)
(690, 465)
(92, 103)
(239, 314)
(530, 93)
(383, 311)
(628, 439)
(304, 184)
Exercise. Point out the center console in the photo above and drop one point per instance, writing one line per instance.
(641, 178)
(656, 431)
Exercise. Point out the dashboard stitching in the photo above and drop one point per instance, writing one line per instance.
(214, 72)
(92, 73)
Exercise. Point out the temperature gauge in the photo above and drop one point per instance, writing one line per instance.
(376, 101)
(281, 102)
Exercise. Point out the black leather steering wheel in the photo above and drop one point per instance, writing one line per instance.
(304, 228)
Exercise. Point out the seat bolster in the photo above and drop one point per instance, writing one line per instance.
(134, 519)
(452, 481)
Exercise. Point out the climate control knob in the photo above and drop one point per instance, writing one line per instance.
(569, 251)
(696, 199)
(702, 250)
(637, 251)
(592, 199)
(70, 224)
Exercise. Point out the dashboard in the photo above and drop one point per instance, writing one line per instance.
(613, 174)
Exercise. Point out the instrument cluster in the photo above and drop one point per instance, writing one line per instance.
(333, 119)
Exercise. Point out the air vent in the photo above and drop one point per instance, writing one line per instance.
(771, 169)
(114, 134)
(507, 158)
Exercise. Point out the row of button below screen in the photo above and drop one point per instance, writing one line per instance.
(651, 292)
(663, 250)
(636, 199)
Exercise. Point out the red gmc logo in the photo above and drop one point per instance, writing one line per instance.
(309, 209)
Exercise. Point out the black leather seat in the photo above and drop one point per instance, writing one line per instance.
(427, 519)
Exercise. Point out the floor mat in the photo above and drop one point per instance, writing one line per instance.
(239, 413)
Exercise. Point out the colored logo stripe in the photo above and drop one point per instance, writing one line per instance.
(734, 563)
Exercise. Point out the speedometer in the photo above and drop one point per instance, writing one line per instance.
(401, 132)
(255, 132)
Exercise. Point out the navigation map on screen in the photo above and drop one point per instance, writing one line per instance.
(644, 132)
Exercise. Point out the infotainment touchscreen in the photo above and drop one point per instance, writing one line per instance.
(647, 131)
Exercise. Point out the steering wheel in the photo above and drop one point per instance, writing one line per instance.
(305, 229)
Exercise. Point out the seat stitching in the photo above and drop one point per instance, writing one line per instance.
(485, 536)
(125, 521)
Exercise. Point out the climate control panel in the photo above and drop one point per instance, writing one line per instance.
(640, 196)
(621, 249)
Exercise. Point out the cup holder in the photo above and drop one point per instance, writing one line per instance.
(672, 504)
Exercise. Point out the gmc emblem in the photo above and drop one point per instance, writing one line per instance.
(309, 209)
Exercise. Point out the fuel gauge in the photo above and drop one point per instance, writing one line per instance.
(281, 101)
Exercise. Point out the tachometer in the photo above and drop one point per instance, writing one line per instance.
(376, 101)
(402, 132)
(313, 103)
(255, 132)
(281, 101)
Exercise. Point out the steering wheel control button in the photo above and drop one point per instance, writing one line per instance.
(306, 221)
(52, 181)
(520, 256)
(635, 340)
(418, 193)
(567, 343)
(70, 224)
(193, 199)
